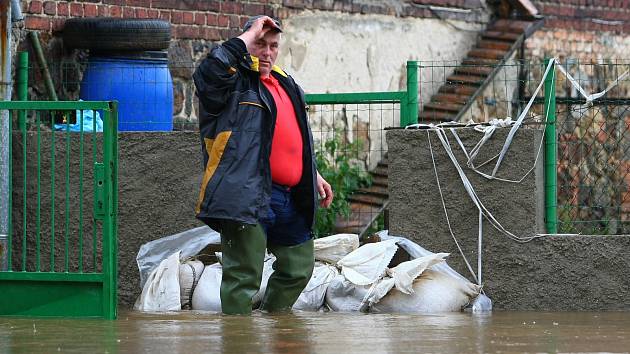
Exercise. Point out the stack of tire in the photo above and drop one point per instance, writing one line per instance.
(128, 63)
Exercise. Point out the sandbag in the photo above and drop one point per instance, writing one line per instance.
(344, 296)
(368, 263)
(207, 294)
(433, 291)
(189, 275)
(331, 249)
(313, 295)
(161, 290)
(406, 272)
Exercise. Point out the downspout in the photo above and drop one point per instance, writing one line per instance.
(5, 132)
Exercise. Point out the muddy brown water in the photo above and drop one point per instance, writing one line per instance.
(189, 332)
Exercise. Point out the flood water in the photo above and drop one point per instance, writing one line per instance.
(189, 332)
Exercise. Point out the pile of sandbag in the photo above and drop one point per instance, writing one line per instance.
(346, 277)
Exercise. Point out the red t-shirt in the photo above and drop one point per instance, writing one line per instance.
(286, 146)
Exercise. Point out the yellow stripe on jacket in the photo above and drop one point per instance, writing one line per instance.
(214, 148)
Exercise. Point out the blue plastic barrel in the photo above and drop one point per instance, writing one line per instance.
(141, 84)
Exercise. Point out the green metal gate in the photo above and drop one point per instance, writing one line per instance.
(63, 201)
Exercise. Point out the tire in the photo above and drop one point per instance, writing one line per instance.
(116, 34)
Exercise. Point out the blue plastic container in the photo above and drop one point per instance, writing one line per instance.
(141, 84)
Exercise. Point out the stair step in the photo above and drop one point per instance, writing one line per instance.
(458, 89)
(430, 115)
(510, 25)
(500, 35)
(374, 190)
(487, 53)
(450, 98)
(380, 170)
(480, 62)
(464, 79)
(496, 45)
(380, 181)
(367, 199)
(474, 70)
(441, 106)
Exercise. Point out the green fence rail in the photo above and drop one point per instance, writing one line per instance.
(349, 135)
(62, 240)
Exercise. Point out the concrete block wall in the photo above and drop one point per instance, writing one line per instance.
(556, 273)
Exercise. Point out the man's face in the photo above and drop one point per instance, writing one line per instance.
(266, 49)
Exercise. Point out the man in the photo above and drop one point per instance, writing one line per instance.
(260, 185)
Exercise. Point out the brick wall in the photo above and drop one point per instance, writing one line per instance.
(218, 19)
(586, 15)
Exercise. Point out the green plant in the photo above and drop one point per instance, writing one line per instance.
(337, 163)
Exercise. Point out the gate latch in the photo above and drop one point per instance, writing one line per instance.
(99, 191)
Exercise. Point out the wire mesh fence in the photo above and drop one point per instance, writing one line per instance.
(592, 195)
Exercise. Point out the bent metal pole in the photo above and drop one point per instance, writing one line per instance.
(5, 137)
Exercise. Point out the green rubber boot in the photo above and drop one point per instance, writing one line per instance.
(243, 248)
(292, 271)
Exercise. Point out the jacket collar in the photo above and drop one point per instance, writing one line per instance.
(254, 65)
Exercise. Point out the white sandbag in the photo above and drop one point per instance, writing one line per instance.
(344, 296)
(313, 295)
(189, 274)
(331, 249)
(161, 290)
(433, 291)
(189, 242)
(406, 272)
(368, 263)
(267, 271)
(207, 294)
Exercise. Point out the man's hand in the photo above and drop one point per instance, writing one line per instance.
(325, 191)
(257, 31)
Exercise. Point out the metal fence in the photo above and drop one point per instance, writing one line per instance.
(61, 256)
(591, 198)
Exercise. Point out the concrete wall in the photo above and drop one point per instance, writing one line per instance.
(159, 176)
(552, 273)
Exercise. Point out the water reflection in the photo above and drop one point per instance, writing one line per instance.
(194, 332)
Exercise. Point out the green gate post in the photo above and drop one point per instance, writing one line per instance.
(551, 152)
(412, 94)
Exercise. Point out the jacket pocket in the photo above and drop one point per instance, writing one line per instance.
(250, 112)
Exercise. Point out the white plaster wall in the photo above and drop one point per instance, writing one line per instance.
(330, 52)
(334, 52)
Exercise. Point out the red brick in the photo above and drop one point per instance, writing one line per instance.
(128, 12)
(90, 10)
(165, 15)
(103, 11)
(115, 11)
(253, 9)
(76, 10)
(211, 34)
(153, 13)
(212, 19)
(141, 13)
(115, 2)
(37, 23)
(175, 4)
(176, 17)
(235, 21)
(57, 24)
(50, 8)
(208, 5)
(223, 21)
(187, 32)
(243, 21)
(35, 7)
(188, 18)
(200, 18)
(63, 9)
(140, 3)
(231, 7)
